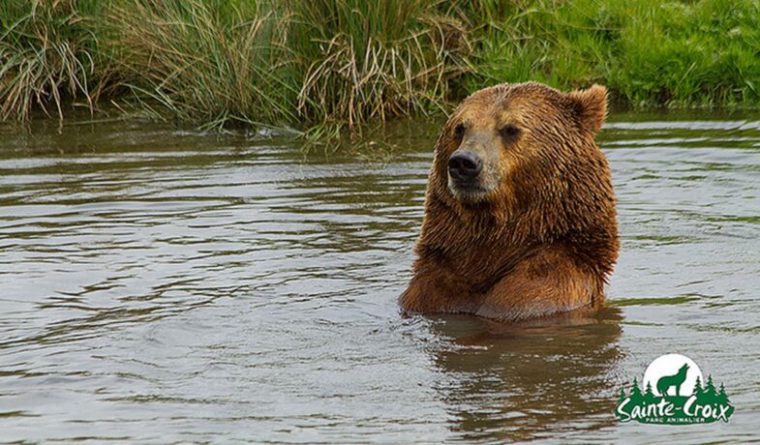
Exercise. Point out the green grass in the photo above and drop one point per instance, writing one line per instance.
(648, 52)
(322, 64)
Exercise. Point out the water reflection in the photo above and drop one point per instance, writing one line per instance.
(535, 380)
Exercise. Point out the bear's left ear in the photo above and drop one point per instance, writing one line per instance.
(591, 106)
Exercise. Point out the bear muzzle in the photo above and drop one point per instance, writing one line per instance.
(465, 166)
(468, 181)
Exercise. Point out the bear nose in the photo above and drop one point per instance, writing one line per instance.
(465, 165)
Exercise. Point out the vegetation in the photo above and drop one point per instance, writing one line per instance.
(648, 52)
(298, 63)
(47, 50)
(207, 61)
(371, 59)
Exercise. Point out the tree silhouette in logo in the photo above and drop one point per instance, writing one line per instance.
(710, 388)
(622, 397)
(697, 387)
(636, 391)
(710, 395)
(635, 395)
(649, 396)
(722, 396)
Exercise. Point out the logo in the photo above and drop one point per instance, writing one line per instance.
(674, 393)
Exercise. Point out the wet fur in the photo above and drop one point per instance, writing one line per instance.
(545, 239)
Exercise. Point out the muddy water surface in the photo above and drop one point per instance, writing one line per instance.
(162, 286)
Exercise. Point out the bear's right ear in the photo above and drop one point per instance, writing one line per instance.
(591, 106)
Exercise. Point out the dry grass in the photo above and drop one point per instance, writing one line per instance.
(370, 60)
(208, 62)
(48, 52)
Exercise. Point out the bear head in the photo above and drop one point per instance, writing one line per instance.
(518, 162)
(512, 132)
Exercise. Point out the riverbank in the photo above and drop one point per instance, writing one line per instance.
(216, 63)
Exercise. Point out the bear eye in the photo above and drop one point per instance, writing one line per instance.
(459, 130)
(509, 132)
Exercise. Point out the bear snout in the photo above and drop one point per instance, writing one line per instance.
(465, 165)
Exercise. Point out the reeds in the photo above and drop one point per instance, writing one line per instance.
(366, 60)
(209, 62)
(346, 62)
(48, 51)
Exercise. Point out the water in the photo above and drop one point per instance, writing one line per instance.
(167, 286)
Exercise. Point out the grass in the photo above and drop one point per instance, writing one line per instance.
(648, 52)
(48, 51)
(210, 62)
(323, 64)
(363, 60)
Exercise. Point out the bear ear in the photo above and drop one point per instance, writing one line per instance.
(591, 106)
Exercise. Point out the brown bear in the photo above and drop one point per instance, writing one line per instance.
(520, 217)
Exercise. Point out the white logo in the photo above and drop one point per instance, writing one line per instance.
(673, 374)
(673, 391)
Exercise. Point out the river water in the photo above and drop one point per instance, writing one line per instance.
(163, 286)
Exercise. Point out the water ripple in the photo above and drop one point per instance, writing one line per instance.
(170, 286)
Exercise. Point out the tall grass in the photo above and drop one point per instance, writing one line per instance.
(304, 63)
(48, 51)
(372, 59)
(213, 62)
